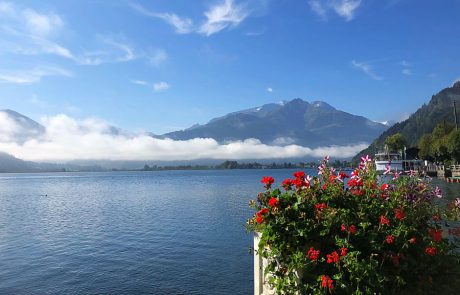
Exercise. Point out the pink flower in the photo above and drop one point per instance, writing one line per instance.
(366, 159)
(437, 192)
(387, 169)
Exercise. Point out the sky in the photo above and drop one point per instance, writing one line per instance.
(161, 66)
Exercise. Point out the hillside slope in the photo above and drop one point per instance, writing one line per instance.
(423, 121)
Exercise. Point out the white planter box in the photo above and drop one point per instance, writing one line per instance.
(261, 286)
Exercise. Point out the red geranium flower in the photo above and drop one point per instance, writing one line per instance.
(313, 254)
(343, 175)
(287, 183)
(436, 234)
(384, 187)
(390, 239)
(431, 251)
(268, 181)
(399, 214)
(352, 230)
(321, 206)
(324, 186)
(343, 227)
(298, 182)
(327, 282)
(343, 251)
(263, 211)
(299, 174)
(259, 214)
(273, 202)
(333, 257)
(332, 178)
(384, 220)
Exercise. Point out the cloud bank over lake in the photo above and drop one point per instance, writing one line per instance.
(66, 138)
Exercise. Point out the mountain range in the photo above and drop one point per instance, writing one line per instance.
(310, 124)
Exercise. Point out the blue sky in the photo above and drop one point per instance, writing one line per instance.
(165, 65)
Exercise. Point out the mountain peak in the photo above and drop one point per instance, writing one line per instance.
(456, 84)
(322, 104)
(297, 121)
(297, 101)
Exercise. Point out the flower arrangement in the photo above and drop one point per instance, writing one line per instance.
(355, 234)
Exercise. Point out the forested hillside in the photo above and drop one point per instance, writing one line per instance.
(423, 121)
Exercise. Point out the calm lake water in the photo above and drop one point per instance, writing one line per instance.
(170, 232)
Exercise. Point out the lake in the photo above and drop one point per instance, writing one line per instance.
(168, 232)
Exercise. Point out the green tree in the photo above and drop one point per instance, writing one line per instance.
(440, 141)
(425, 145)
(454, 144)
(395, 142)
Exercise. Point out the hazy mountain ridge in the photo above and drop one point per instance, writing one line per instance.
(423, 121)
(311, 124)
(16, 126)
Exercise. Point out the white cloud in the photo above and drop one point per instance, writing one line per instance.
(221, 16)
(181, 25)
(26, 31)
(269, 89)
(225, 15)
(346, 8)
(343, 8)
(406, 68)
(161, 86)
(139, 82)
(42, 24)
(68, 139)
(6, 8)
(405, 64)
(257, 32)
(366, 68)
(406, 72)
(158, 57)
(318, 7)
(126, 51)
(32, 75)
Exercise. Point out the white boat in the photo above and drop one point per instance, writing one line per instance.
(396, 162)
